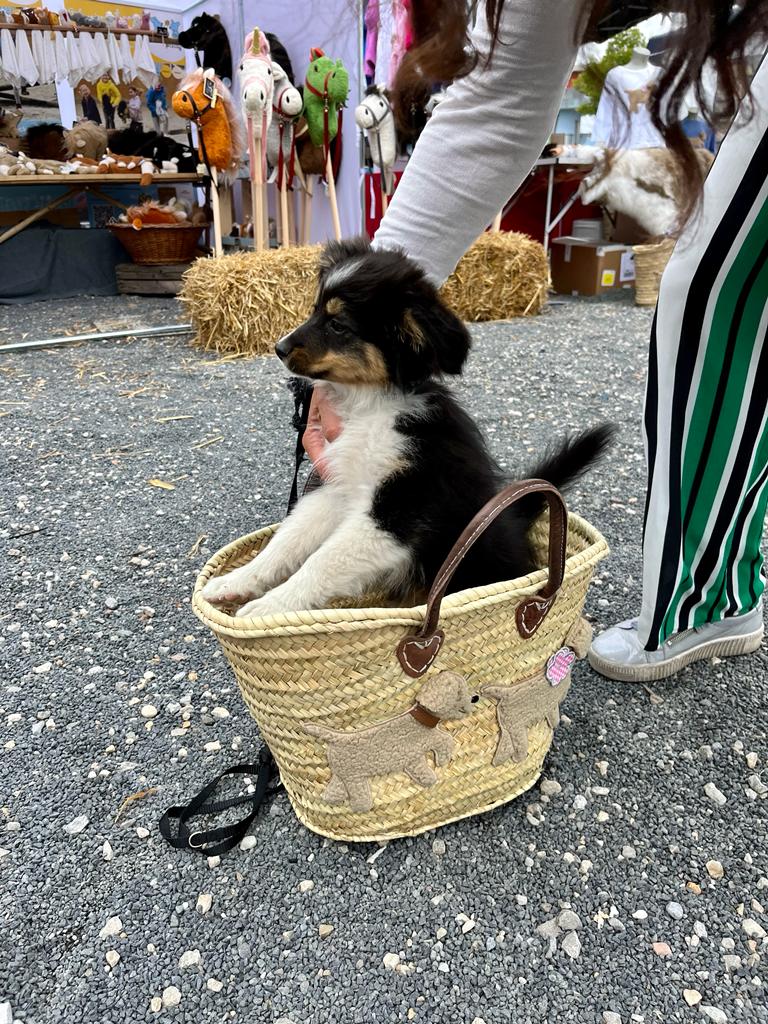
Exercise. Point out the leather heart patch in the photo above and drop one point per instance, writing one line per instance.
(416, 654)
(559, 665)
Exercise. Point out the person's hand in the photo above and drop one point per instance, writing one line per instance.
(323, 426)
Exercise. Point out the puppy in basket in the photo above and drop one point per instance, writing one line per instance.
(409, 469)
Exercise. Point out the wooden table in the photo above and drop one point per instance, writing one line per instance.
(80, 183)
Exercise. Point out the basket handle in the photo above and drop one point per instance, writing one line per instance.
(418, 651)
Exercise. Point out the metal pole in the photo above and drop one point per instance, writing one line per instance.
(141, 332)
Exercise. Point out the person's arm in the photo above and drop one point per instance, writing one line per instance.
(484, 137)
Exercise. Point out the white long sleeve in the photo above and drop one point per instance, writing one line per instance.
(484, 137)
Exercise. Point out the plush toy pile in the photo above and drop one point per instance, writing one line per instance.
(88, 148)
(153, 214)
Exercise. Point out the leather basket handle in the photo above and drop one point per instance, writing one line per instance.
(418, 651)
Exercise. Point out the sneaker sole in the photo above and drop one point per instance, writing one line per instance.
(724, 648)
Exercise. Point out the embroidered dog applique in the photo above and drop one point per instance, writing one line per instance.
(401, 744)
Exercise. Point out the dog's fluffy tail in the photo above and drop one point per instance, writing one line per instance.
(569, 460)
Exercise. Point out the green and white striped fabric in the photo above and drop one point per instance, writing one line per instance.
(706, 418)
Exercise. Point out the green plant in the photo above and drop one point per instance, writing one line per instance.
(591, 80)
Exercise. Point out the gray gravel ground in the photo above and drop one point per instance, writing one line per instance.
(95, 624)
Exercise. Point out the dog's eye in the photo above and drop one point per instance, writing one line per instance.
(336, 325)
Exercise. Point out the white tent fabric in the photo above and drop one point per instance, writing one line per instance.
(127, 59)
(8, 63)
(146, 71)
(25, 61)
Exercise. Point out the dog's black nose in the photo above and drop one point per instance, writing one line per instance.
(285, 346)
(475, 698)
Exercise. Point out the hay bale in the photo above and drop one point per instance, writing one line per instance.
(503, 275)
(245, 301)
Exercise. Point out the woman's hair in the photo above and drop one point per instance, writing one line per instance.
(713, 32)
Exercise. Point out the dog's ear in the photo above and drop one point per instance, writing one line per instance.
(436, 335)
(337, 252)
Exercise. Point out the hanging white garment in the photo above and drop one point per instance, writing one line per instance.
(24, 60)
(623, 120)
(146, 71)
(61, 57)
(102, 52)
(42, 51)
(74, 59)
(8, 63)
(127, 60)
(115, 61)
(89, 58)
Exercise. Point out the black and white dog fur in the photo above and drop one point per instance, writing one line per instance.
(410, 467)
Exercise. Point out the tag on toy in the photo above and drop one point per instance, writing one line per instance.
(559, 665)
(209, 89)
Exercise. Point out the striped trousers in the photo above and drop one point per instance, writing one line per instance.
(706, 414)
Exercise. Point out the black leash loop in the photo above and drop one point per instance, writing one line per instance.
(174, 824)
(302, 396)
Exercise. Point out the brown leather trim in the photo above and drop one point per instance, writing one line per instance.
(417, 652)
(424, 717)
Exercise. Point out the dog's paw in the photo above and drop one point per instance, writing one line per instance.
(267, 605)
(232, 588)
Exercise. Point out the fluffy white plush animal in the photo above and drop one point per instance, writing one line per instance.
(376, 118)
(638, 182)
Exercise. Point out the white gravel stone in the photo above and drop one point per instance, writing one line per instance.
(692, 996)
(113, 927)
(214, 985)
(548, 929)
(731, 962)
(757, 785)
(189, 958)
(550, 787)
(609, 1017)
(579, 802)
(106, 850)
(715, 869)
(571, 945)
(675, 911)
(213, 747)
(112, 957)
(220, 713)
(569, 921)
(142, 832)
(438, 847)
(700, 929)
(156, 1004)
(247, 842)
(324, 930)
(171, 997)
(204, 902)
(76, 826)
(640, 915)
(391, 961)
(213, 862)
(715, 795)
(752, 929)
(628, 852)
(149, 711)
(715, 1014)
(307, 885)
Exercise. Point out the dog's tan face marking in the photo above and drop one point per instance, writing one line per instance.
(364, 364)
(412, 331)
(334, 306)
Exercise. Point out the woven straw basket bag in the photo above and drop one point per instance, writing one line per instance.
(387, 722)
(650, 262)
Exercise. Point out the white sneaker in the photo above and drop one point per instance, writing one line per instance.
(618, 654)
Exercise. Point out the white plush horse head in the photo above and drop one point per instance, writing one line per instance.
(257, 82)
(376, 118)
(287, 104)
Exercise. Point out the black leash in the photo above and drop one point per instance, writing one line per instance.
(302, 395)
(210, 842)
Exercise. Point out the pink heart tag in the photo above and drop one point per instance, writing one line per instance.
(559, 665)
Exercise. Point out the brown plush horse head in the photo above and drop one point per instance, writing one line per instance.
(221, 138)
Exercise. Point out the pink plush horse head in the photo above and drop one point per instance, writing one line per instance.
(257, 82)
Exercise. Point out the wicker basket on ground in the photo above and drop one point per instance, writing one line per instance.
(335, 691)
(159, 243)
(650, 261)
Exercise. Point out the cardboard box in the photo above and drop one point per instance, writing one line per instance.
(581, 266)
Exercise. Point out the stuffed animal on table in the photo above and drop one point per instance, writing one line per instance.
(208, 38)
(86, 138)
(401, 744)
(114, 163)
(13, 164)
(536, 698)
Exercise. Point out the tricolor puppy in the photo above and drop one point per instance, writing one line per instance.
(409, 469)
